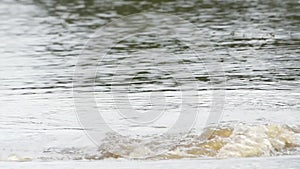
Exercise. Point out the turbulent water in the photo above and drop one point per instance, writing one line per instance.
(240, 140)
(246, 67)
(224, 142)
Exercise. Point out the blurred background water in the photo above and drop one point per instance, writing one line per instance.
(257, 42)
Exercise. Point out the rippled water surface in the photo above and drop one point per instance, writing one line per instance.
(244, 54)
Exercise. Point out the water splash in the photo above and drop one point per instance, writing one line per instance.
(224, 142)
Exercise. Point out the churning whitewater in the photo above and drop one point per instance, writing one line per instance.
(223, 142)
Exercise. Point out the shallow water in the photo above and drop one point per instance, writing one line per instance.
(255, 42)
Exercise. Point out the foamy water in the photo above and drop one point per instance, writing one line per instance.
(223, 142)
(228, 141)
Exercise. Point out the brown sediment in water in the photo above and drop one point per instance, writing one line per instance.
(221, 142)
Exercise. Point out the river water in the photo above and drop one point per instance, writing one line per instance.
(236, 65)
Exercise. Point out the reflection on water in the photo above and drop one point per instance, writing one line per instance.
(257, 42)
